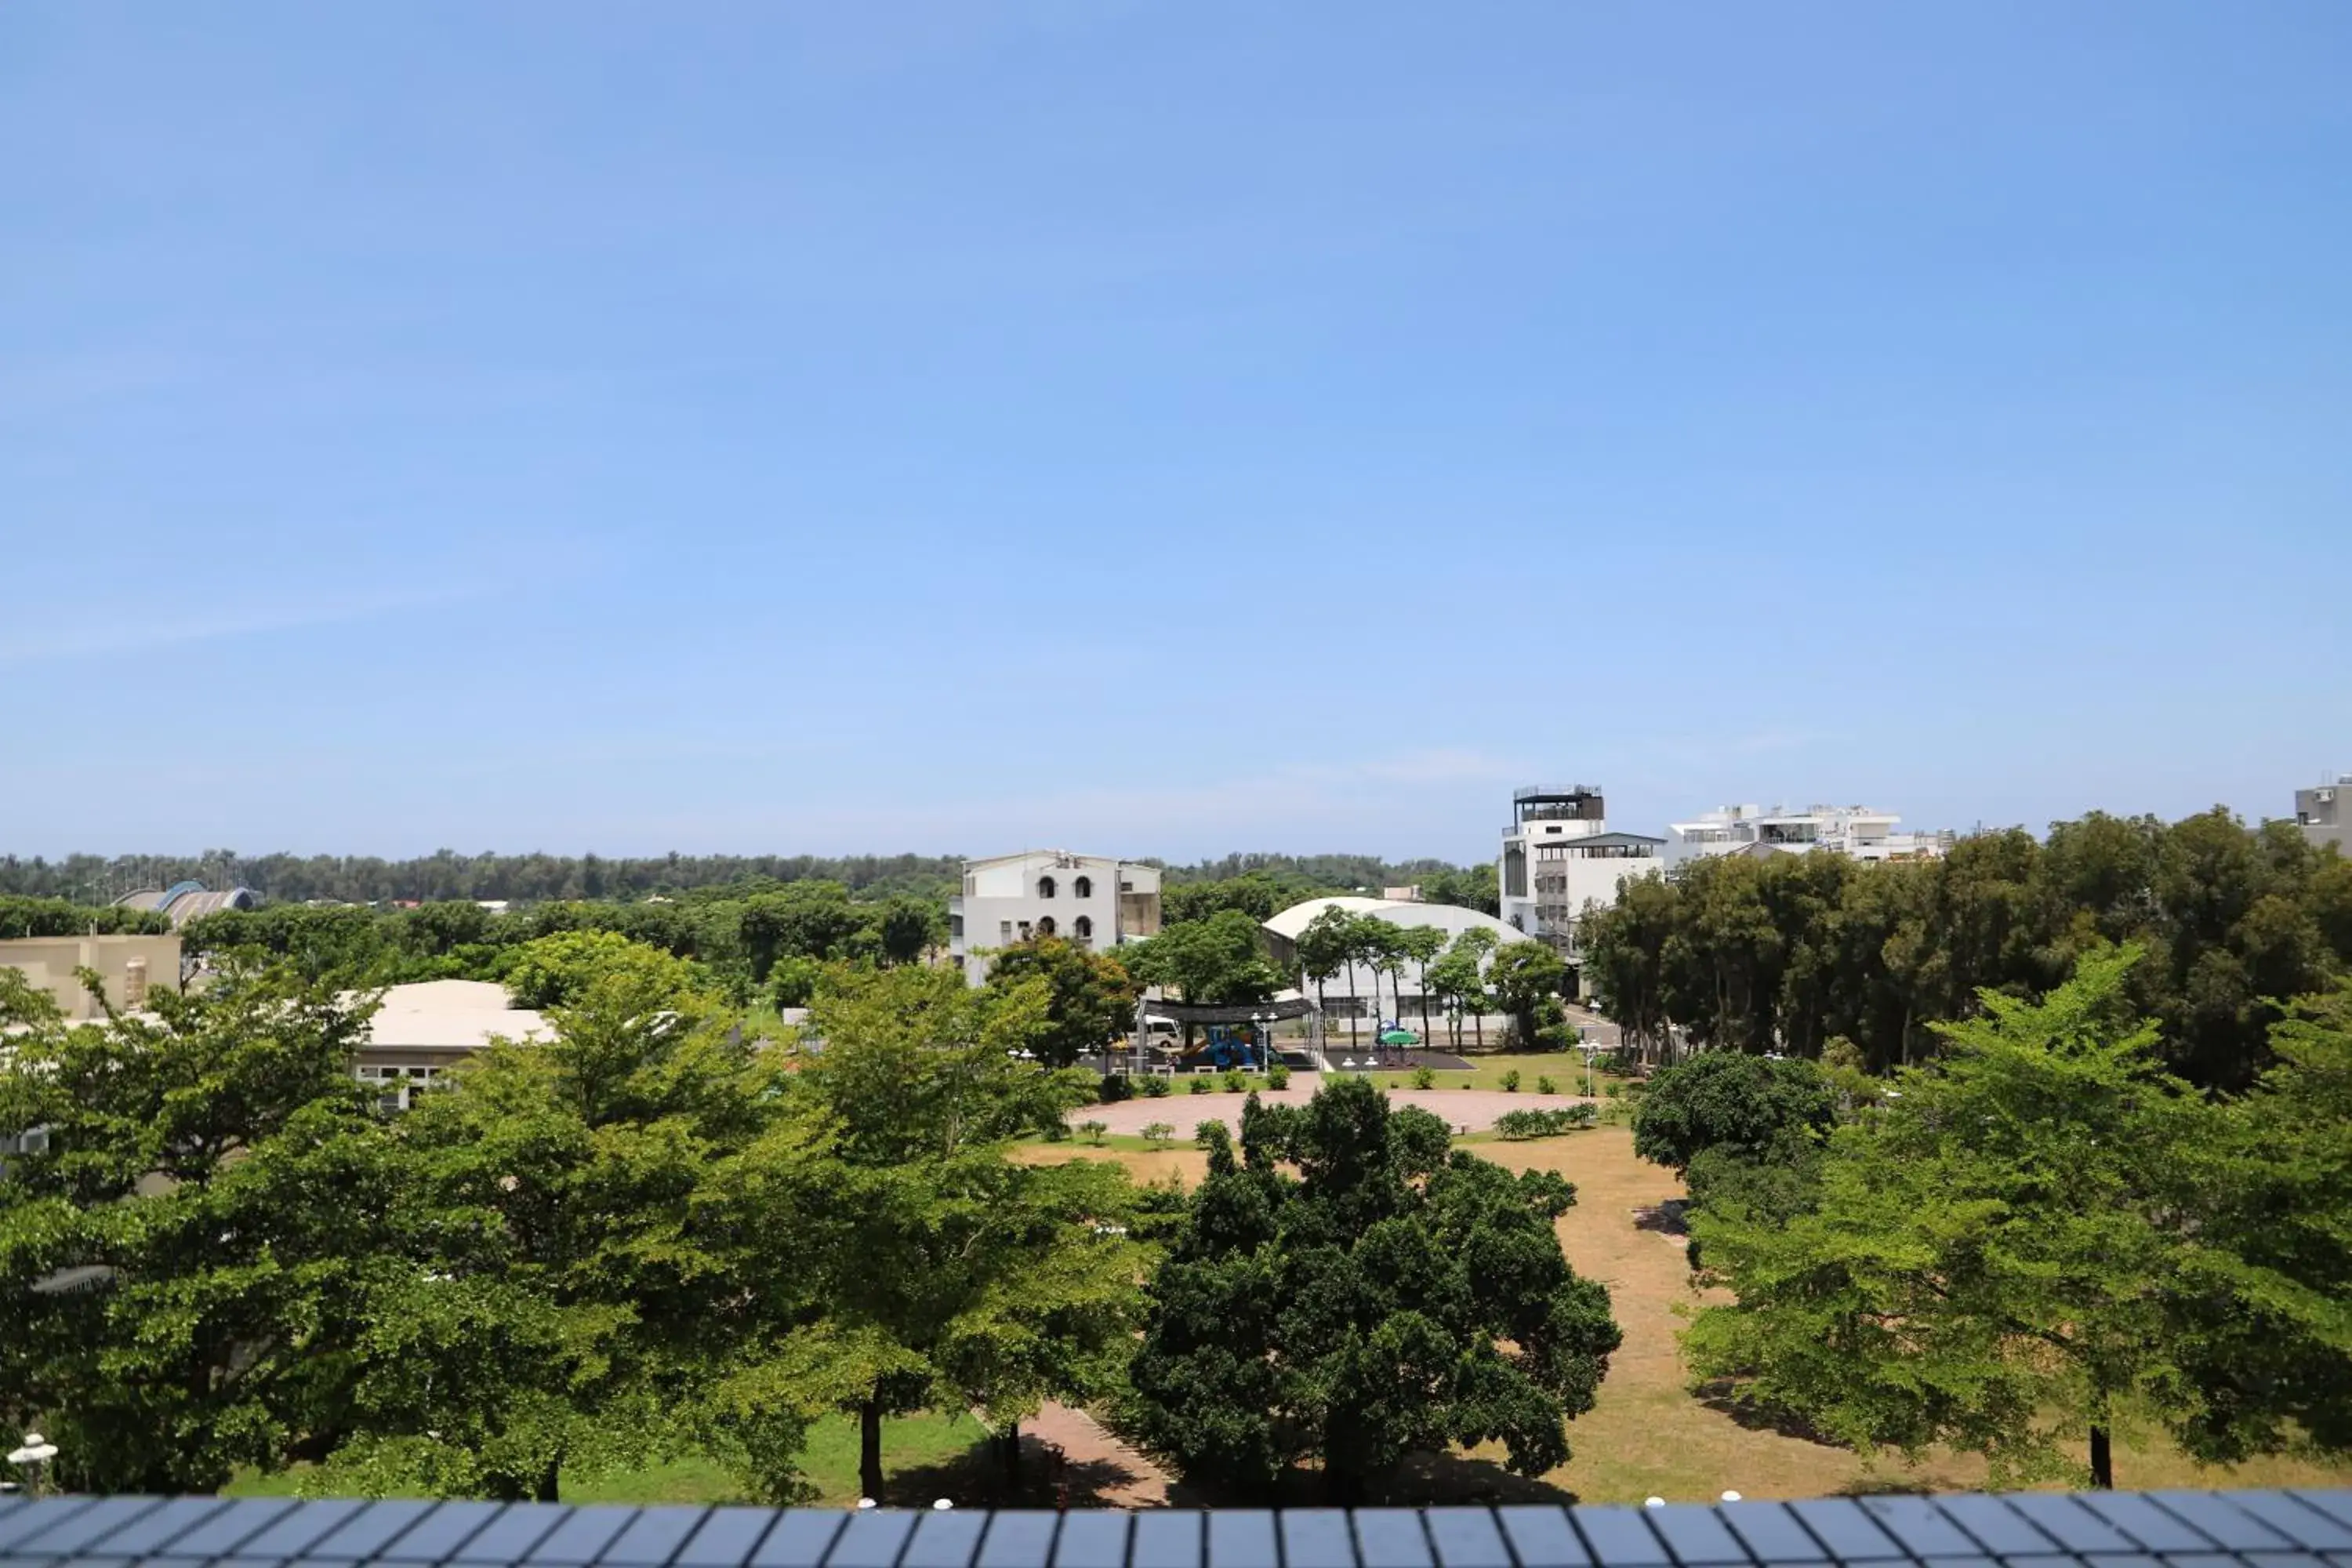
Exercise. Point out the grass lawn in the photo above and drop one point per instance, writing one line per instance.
(909, 1444)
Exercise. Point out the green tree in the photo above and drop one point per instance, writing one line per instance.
(1456, 980)
(2022, 1251)
(556, 971)
(1090, 998)
(1422, 945)
(1522, 975)
(1322, 947)
(905, 928)
(1373, 946)
(1391, 1297)
(1729, 1099)
(947, 1272)
(201, 1160)
(1218, 961)
(583, 1300)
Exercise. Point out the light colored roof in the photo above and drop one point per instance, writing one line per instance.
(1446, 917)
(451, 1015)
(1069, 855)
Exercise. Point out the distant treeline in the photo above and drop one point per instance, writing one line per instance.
(447, 874)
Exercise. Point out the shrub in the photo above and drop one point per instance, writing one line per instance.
(1232, 1082)
(1546, 1086)
(1155, 1087)
(1115, 1087)
(1197, 1085)
(1277, 1077)
(1511, 1082)
(1158, 1133)
(1423, 1078)
(1094, 1130)
(1516, 1125)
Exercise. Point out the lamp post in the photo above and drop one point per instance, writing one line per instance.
(34, 1452)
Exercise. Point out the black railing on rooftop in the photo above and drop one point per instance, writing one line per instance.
(2297, 1528)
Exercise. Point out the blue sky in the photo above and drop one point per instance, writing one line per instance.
(1162, 427)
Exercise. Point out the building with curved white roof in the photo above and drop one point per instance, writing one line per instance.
(1355, 988)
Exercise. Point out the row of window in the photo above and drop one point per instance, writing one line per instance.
(1082, 929)
(1081, 888)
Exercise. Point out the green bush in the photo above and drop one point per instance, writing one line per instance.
(1517, 1125)
(1155, 1087)
(1546, 1086)
(1423, 1078)
(1094, 1130)
(1277, 1077)
(1116, 1087)
(1232, 1082)
(1511, 1082)
(1158, 1133)
(1197, 1085)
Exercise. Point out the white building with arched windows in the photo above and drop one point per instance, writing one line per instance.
(1090, 899)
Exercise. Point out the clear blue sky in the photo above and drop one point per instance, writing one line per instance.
(1162, 427)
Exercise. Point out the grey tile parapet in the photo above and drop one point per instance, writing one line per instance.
(2302, 1528)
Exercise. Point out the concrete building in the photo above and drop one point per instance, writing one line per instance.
(1558, 856)
(1852, 830)
(1360, 991)
(129, 966)
(423, 1030)
(1089, 899)
(2321, 812)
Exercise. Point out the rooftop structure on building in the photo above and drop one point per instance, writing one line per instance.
(1559, 857)
(2323, 812)
(184, 901)
(1861, 832)
(1092, 901)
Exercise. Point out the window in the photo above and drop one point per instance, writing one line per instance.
(1044, 887)
(1083, 929)
(1004, 933)
(1045, 925)
(1083, 887)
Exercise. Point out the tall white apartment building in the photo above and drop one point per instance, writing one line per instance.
(1560, 856)
(1853, 830)
(1092, 901)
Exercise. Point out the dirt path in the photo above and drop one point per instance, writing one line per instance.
(1101, 1471)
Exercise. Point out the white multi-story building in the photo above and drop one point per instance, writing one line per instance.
(1853, 830)
(1090, 899)
(1558, 856)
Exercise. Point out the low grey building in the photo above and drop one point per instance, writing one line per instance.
(2319, 812)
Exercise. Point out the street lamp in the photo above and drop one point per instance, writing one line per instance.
(35, 1451)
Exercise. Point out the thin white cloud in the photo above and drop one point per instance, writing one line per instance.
(109, 629)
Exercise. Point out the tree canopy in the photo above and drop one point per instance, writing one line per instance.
(2045, 1237)
(1791, 951)
(1090, 1000)
(1730, 1100)
(1392, 1296)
